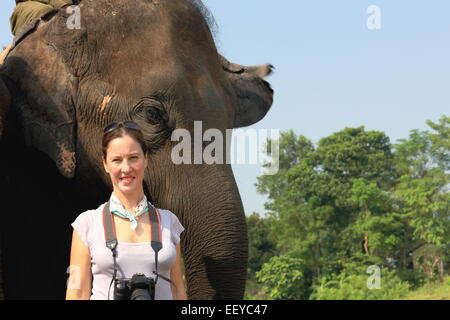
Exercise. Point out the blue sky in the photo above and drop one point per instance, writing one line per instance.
(331, 71)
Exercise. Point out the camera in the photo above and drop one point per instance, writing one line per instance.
(139, 287)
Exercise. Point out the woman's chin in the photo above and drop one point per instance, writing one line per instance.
(128, 188)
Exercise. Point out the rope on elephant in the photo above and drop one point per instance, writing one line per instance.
(4, 54)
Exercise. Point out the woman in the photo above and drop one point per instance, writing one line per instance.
(125, 160)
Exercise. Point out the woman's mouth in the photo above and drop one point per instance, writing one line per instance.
(127, 180)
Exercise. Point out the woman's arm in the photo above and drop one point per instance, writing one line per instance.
(80, 281)
(176, 275)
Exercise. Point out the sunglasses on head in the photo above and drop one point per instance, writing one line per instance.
(127, 124)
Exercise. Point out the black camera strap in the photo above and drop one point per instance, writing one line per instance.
(111, 239)
(155, 233)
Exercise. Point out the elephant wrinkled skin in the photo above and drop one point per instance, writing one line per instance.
(154, 62)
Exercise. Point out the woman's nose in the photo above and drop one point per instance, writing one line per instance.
(126, 166)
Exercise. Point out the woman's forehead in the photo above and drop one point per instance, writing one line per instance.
(125, 144)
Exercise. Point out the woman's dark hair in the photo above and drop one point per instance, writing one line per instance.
(119, 132)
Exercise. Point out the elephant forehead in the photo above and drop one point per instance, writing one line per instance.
(162, 67)
(126, 34)
(138, 48)
(191, 90)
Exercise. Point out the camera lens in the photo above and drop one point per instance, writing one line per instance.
(140, 294)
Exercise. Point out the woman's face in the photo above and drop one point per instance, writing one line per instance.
(125, 163)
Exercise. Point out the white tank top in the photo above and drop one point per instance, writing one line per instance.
(132, 258)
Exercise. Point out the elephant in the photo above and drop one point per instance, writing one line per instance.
(154, 62)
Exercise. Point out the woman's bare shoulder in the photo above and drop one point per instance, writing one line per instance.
(91, 213)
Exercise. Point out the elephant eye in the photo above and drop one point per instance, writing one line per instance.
(153, 115)
(151, 110)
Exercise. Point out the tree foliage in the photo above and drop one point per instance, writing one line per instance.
(284, 278)
(354, 195)
(354, 283)
(262, 246)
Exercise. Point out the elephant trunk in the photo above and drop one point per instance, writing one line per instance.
(215, 245)
(5, 101)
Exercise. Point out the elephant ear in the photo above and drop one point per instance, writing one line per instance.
(254, 95)
(5, 102)
(42, 106)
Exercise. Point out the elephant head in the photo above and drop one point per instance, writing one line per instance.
(154, 62)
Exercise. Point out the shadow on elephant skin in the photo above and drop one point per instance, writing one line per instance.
(233, 272)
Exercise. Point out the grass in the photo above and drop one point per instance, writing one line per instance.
(432, 291)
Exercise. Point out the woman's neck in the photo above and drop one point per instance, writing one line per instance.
(129, 201)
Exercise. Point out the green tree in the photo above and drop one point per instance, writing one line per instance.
(312, 196)
(356, 199)
(441, 141)
(378, 227)
(262, 246)
(284, 278)
(356, 153)
(422, 189)
(297, 225)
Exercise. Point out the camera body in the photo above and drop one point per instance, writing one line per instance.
(139, 287)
